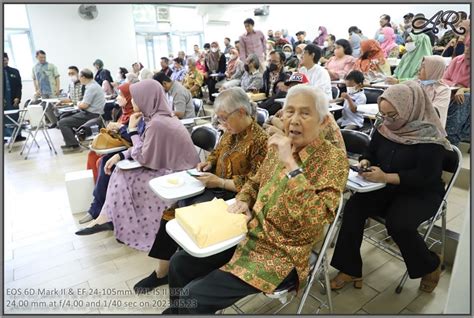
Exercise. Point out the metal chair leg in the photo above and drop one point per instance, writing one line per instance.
(399, 288)
(47, 140)
(31, 145)
(443, 236)
(328, 284)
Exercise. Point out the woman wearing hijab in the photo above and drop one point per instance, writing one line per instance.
(430, 77)
(417, 47)
(406, 152)
(372, 59)
(215, 64)
(323, 33)
(97, 163)
(234, 72)
(354, 40)
(165, 146)
(387, 39)
(458, 123)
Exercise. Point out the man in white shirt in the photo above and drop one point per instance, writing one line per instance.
(317, 75)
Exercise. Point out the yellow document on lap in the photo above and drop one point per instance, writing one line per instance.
(209, 223)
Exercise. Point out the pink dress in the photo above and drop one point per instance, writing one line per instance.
(340, 67)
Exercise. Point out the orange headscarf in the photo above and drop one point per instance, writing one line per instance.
(370, 50)
(127, 110)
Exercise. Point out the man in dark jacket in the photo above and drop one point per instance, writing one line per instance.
(273, 79)
(11, 93)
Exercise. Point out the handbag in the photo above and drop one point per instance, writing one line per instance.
(107, 139)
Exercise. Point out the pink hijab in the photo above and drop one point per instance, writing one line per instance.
(166, 142)
(389, 43)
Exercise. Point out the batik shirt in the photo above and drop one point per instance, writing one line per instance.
(288, 214)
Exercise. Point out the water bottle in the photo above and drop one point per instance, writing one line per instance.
(95, 130)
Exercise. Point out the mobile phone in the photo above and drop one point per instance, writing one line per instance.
(359, 169)
(194, 173)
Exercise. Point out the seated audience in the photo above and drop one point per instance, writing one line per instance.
(182, 56)
(102, 73)
(227, 46)
(458, 123)
(121, 77)
(280, 41)
(179, 72)
(287, 204)
(97, 163)
(197, 52)
(317, 75)
(355, 41)
(180, 99)
(328, 49)
(291, 60)
(194, 79)
(252, 80)
(131, 209)
(274, 74)
(238, 156)
(91, 106)
(372, 61)
(146, 74)
(301, 35)
(201, 65)
(165, 66)
(406, 152)
(351, 119)
(132, 78)
(342, 62)
(387, 42)
(322, 35)
(289, 38)
(430, 77)
(417, 46)
(215, 64)
(234, 72)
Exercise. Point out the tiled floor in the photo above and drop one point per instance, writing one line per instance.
(42, 251)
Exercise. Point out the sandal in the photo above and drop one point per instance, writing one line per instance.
(430, 281)
(342, 279)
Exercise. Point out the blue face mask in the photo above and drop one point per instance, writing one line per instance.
(381, 38)
(428, 82)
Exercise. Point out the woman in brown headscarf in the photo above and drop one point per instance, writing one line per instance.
(234, 72)
(372, 59)
(216, 67)
(406, 152)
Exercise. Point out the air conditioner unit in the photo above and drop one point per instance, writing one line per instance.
(162, 14)
(263, 11)
(218, 22)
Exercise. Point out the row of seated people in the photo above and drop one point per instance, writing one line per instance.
(287, 181)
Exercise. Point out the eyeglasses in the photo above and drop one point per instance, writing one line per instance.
(224, 120)
(387, 117)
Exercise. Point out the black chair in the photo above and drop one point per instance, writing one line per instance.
(451, 165)
(356, 142)
(204, 137)
(372, 94)
(85, 131)
(335, 92)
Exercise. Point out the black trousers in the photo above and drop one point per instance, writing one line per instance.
(211, 85)
(197, 286)
(271, 105)
(164, 246)
(403, 214)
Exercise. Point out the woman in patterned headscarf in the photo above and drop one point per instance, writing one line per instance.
(372, 59)
(406, 152)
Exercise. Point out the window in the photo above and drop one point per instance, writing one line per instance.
(17, 39)
(163, 30)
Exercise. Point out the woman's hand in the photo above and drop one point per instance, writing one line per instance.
(364, 163)
(114, 126)
(285, 152)
(134, 119)
(210, 180)
(277, 122)
(375, 175)
(391, 80)
(110, 163)
(272, 130)
(459, 97)
(239, 207)
(204, 166)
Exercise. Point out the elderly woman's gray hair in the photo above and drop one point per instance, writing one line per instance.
(253, 58)
(321, 102)
(191, 61)
(232, 99)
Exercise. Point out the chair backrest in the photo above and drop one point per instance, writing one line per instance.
(335, 92)
(372, 95)
(35, 114)
(197, 105)
(204, 137)
(452, 164)
(262, 115)
(356, 142)
(25, 105)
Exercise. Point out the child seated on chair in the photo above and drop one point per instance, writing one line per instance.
(355, 96)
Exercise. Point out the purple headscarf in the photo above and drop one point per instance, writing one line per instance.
(166, 142)
(319, 40)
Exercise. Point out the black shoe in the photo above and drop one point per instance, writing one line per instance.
(20, 138)
(119, 241)
(149, 283)
(96, 229)
(52, 126)
(69, 149)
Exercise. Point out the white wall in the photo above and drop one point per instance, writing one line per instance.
(68, 40)
(337, 18)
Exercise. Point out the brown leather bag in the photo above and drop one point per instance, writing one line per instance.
(107, 139)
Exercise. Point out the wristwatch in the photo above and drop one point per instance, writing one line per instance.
(294, 173)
